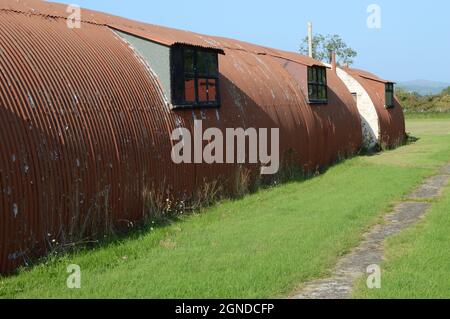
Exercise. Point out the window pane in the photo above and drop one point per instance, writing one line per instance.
(189, 90)
(321, 93)
(212, 90)
(389, 94)
(389, 99)
(177, 75)
(188, 60)
(324, 76)
(207, 63)
(318, 92)
(314, 92)
(314, 75)
(202, 90)
(324, 92)
(310, 75)
(310, 92)
(390, 87)
(213, 64)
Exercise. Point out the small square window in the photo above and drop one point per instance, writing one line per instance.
(195, 73)
(389, 95)
(317, 85)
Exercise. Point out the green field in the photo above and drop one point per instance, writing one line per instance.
(411, 115)
(417, 260)
(264, 245)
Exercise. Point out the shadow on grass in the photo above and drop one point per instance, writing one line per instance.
(288, 174)
(409, 140)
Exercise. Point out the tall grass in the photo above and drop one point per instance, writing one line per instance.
(262, 245)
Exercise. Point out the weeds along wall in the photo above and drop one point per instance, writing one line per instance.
(85, 139)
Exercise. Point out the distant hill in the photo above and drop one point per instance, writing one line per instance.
(423, 87)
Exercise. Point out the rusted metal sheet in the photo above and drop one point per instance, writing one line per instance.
(391, 120)
(85, 130)
(160, 34)
(148, 35)
(87, 127)
(150, 32)
(295, 57)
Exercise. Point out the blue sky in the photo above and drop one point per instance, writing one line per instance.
(412, 43)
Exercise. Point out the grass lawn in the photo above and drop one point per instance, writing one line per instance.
(418, 259)
(264, 245)
(427, 115)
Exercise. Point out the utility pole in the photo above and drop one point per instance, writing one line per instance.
(310, 39)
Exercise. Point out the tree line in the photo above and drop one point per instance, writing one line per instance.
(413, 102)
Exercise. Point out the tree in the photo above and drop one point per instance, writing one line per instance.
(323, 45)
(414, 102)
(446, 91)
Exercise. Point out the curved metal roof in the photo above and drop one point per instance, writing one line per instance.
(88, 129)
(391, 120)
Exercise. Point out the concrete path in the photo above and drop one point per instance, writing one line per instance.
(370, 252)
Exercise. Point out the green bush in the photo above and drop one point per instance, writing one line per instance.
(412, 102)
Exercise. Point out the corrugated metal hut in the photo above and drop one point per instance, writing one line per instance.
(87, 116)
(382, 117)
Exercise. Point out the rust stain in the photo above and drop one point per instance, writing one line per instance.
(86, 127)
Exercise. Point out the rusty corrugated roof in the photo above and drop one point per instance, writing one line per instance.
(366, 75)
(87, 126)
(154, 33)
(159, 34)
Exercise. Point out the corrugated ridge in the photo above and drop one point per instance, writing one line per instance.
(163, 35)
(101, 127)
(80, 137)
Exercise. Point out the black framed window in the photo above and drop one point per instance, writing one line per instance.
(195, 77)
(317, 84)
(389, 95)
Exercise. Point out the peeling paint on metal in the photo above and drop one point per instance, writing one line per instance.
(101, 124)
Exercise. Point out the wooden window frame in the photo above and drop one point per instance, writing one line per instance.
(179, 76)
(315, 83)
(389, 90)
